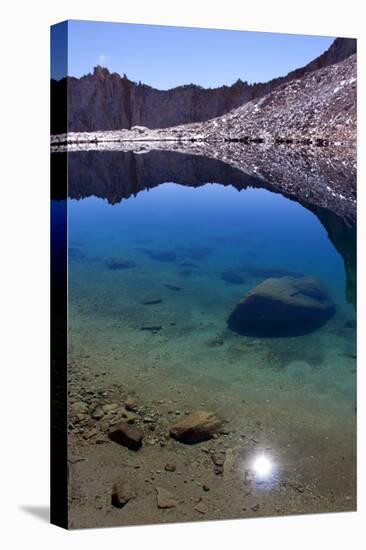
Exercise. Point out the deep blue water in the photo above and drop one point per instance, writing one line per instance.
(252, 227)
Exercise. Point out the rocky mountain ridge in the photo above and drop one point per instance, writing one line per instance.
(319, 107)
(316, 108)
(105, 101)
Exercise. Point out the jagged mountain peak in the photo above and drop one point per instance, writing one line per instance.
(341, 49)
(101, 72)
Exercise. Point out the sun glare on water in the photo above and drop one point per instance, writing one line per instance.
(263, 467)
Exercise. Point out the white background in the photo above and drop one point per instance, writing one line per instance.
(24, 305)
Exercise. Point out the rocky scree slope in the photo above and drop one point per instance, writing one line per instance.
(319, 107)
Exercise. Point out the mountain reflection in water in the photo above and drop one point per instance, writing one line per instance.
(322, 181)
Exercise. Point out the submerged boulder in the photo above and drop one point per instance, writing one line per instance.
(195, 252)
(284, 306)
(232, 277)
(162, 255)
(120, 263)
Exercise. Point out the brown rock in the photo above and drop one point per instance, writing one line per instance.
(79, 408)
(201, 507)
(197, 426)
(164, 498)
(90, 434)
(98, 413)
(122, 493)
(127, 435)
(218, 459)
(110, 407)
(218, 470)
(131, 404)
(170, 467)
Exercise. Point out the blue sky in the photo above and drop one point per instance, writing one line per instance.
(164, 57)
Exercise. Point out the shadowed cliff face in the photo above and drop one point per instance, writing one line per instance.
(343, 237)
(116, 175)
(105, 101)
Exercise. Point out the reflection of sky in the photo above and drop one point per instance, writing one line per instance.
(165, 57)
(208, 207)
(282, 231)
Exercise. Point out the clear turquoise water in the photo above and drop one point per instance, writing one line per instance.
(210, 229)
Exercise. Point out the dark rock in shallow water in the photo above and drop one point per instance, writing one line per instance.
(232, 277)
(162, 255)
(75, 254)
(152, 328)
(187, 264)
(120, 263)
(143, 240)
(152, 301)
(195, 252)
(285, 306)
(215, 342)
(173, 287)
(184, 273)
